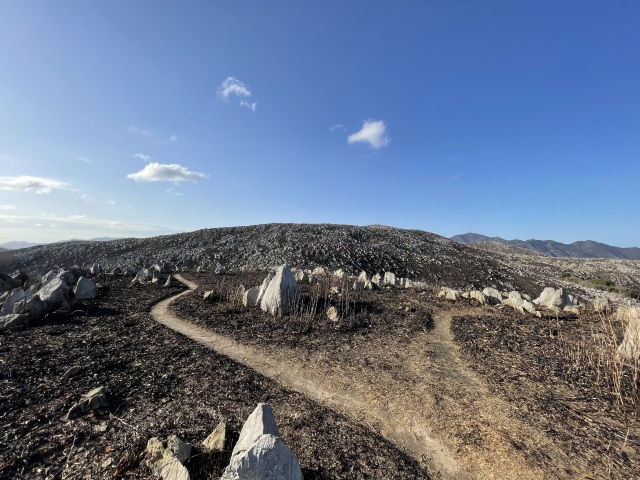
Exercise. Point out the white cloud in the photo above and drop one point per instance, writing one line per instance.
(6, 208)
(77, 217)
(372, 132)
(233, 86)
(157, 172)
(142, 156)
(85, 160)
(109, 202)
(26, 183)
(84, 198)
(140, 131)
(250, 106)
(337, 126)
(173, 138)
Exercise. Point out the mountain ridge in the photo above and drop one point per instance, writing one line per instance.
(551, 248)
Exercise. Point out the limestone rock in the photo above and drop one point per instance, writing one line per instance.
(493, 296)
(54, 294)
(301, 276)
(390, 278)
(260, 453)
(96, 269)
(449, 294)
(319, 272)
(96, 398)
(340, 274)
(554, 299)
(629, 348)
(377, 279)
(281, 294)
(602, 305)
(250, 297)
(332, 314)
(14, 302)
(165, 459)
(169, 282)
(478, 296)
(85, 289)
(267, 459)
(217, 440)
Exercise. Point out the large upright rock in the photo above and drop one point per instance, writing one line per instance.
(85, 289)
(554, 299)
(281, 294)
(14, 303)
(54, 294)
(629, 348)
(165, 459)
(449, 294)
(390, 278)
(260, 453)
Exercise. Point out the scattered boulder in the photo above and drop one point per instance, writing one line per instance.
(493, 296)
(217, 440)
(220, 270)
(553, 299)
(449, 294)
(476, 295)
(250, 297)
(377, 279)
(301, 276)
(281, 293)
(319, 272)
(166, 459)
(169, 282)
(20, 278)
(390, 278)
(332, 314)
(14, 302)
(85, 289)
(519, 303)
(96, 398)
(96, 269)
(629, 348)
(340, 274)
(54, 294)
(260, 453)
(156, 277)
(602, 305)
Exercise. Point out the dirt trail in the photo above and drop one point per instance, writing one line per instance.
(437, 409)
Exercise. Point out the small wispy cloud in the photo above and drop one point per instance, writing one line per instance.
(76, 217)
(173, 138)
(157, 172)
(142, 156)
(85, 160)
(7, 208)
(250, 106)
(109, 202)
(84, 198)
(337, 126)
(26, 183)
(140, 131)
(373, 132)
(231, 87)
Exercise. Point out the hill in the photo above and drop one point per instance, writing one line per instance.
(580, 249)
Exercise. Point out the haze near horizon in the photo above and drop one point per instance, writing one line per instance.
(510, 119)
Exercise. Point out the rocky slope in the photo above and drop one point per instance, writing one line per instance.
(413, 254)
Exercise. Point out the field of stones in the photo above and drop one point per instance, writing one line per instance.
(399, 355)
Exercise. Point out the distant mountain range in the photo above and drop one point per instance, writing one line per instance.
(581, 249)
(18, 244)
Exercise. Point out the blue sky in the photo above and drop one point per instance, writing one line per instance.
(512, 118)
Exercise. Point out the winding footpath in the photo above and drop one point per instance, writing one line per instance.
(428, 413)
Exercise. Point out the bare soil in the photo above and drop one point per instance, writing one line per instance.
(159, 383)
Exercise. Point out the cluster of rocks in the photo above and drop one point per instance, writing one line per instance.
(24, 300)
(259, 452)
(160, 273)
(550, 299)
(277, 294)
